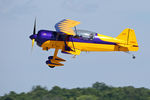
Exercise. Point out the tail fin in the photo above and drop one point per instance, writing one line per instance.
(128, 35)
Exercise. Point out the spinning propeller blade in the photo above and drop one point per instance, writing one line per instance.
(34, 32)
(33, 42)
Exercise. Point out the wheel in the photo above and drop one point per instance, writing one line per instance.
(133, 57)
(50, 57)
(51, 66)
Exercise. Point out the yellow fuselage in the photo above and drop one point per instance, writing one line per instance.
(83, 46)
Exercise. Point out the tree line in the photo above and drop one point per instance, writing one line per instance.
(98, 91)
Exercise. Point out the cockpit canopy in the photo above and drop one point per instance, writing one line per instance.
(85, 34)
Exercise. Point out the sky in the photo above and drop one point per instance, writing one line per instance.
(20, 70)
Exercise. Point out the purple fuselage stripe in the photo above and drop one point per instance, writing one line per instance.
(45, 35)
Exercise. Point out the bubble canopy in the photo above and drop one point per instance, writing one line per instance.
(85, 34)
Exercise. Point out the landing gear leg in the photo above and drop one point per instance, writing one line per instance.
(55, 53)
(49, 61)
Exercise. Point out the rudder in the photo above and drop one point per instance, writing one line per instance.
(129, 36)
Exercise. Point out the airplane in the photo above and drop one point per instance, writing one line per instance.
(73, 41)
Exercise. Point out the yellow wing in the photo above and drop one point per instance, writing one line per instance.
(66, 25)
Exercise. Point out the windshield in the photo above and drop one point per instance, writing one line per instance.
(85, 34)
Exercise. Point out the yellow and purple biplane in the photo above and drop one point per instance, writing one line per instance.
(73, 41)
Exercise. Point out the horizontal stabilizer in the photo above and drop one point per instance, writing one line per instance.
(124, 45)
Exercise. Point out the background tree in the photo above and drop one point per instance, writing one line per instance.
(87, 97)
(98, 91)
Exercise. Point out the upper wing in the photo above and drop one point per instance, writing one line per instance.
(66, 25)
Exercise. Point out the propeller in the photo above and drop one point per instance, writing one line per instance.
(34, 32)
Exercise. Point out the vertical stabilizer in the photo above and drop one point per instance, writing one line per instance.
(129, 36)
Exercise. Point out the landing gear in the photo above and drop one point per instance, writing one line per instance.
(51, 66)
(54, 61)
(133, 56)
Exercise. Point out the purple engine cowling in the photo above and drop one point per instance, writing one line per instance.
(43, 35)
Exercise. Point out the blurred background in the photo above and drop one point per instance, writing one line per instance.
(20, 70)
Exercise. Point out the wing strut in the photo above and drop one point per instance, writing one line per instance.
(75, 30)
(72, 39)
(72, 43)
